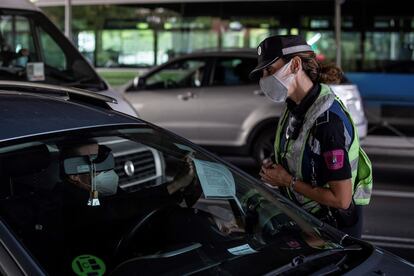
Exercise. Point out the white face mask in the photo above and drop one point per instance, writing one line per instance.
(107, 183)
(277, 85)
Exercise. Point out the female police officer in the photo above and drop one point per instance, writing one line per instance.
(318, 161)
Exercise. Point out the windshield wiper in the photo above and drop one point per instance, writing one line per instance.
(301, 260)
(329, 269)
(86, 82)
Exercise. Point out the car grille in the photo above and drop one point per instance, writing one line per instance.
(144, 164)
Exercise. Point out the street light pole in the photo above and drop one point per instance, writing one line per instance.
(68, 19)
(338, 20)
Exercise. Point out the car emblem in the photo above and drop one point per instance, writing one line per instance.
(129, 168)
(259, 50)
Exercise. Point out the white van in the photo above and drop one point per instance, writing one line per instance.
(33, 49)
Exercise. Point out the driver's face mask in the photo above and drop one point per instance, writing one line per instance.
(276, 86)
(107, 183)
(100, 168)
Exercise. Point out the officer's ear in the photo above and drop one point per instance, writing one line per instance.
(296, 64)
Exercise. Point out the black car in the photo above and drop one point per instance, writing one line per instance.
(87, 190)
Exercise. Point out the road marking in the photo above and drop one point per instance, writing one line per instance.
(389, 239)
(392, 194)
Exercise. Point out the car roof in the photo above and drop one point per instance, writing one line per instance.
(18, 4)
(25, 114)
(44, 87)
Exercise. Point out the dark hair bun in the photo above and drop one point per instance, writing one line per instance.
(330, 74)
(327, 73)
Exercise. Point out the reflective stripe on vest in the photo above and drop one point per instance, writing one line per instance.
(361, 167)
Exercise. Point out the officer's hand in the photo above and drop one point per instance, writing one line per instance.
(267, 163)
(276, 176)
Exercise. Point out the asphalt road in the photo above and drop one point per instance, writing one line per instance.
(389, 218)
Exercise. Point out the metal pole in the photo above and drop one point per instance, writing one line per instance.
(338, 31)
(68, 19)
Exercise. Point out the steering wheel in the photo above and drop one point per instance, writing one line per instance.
(126, 240)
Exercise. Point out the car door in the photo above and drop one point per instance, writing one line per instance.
(228, 102)
(169, 97)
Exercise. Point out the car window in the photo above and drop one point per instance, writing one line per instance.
(233, 71)
(109, 200)
(180, 74)
(15, 38)
(53, 55)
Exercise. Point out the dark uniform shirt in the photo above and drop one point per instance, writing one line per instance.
(328, 143)
(325, 155)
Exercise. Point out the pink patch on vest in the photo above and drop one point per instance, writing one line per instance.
(334, 159)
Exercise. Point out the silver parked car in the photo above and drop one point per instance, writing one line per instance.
(208, 98)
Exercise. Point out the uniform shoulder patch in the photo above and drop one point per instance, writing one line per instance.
(334, 159)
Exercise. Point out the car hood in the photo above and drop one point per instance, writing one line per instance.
(382, 262)
(242, 257)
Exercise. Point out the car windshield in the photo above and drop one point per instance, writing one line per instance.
(139, 199)
(33, 49)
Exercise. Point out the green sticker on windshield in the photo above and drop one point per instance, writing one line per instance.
(88, 265)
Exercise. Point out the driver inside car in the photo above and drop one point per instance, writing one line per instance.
(90, 167)
(94, 200)
(55, 219)
(77, 171)
(96, 211)
(7, 55)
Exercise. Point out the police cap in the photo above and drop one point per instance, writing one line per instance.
(275, 47)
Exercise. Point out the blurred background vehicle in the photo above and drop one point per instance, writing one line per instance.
(208, 98)
(197, 213)
(33, 49)
(376, 40)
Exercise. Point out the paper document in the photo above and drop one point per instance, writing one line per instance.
(216, 179)
(242, 250)
(35, 71)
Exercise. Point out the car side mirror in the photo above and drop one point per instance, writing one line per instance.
(138, 83)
